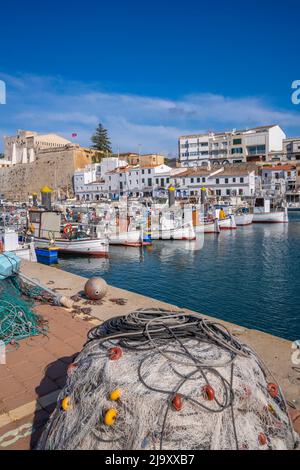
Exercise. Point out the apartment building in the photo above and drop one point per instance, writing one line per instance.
(236, 146)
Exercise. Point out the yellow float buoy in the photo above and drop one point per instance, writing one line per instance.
(66, 403)
(115, 394)
(110, 417)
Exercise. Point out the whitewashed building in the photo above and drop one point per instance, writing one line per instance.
(94, 183)
(236, 146)
(227, 181)
(278, 179)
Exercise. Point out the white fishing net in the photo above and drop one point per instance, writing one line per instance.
(225, 401)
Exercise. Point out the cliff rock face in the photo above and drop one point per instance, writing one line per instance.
(53, 168)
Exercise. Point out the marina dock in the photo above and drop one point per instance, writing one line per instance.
(35, 373)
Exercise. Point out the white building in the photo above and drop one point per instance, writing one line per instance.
(94, 183)
(25, 145)
(248, 145)
(278, 179)
(226, 182)
(291, 148)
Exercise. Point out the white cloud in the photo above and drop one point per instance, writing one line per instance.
(51, 104)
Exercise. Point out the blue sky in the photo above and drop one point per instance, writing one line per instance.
(149, 71)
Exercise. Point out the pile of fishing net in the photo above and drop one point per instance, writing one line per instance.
(17, 320)
(157, 379)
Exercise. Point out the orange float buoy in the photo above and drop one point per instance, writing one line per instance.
(273, 390)
(115, 353)
(115, 394)
(70, 368)
(110, 417)
(177, 402)
(66, 403)
(262, 439)
(208, 392)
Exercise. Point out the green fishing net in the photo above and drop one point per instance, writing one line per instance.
(17, 320)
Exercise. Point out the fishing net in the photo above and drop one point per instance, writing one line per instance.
(17, 321)
(156, 379)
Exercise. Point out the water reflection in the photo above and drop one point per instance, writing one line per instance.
(250, 276)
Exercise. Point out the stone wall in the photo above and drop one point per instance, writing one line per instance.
(54, 168)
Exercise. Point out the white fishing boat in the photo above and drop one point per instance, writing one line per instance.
(9, 243)
(243, 216)
(128, 238)
(226, 219)
(211, 226)
(243, 219)
(263, 213)
(169, 230)
(46, 229)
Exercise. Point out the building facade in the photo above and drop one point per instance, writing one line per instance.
(227, 181)
(143, 160)
(291, 148)
(26, 145)
(237, 146)
(279, 179)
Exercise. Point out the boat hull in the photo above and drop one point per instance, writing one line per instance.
(243, 219)
(84, 247)
(280, 217)
(228, 223)
(131, 238)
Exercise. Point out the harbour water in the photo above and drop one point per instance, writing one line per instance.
(250, 276)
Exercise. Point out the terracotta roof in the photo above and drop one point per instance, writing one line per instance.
(278, 168)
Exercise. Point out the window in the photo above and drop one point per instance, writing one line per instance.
(143, 180)
(143, 171)
(218, 192)
(241, 180)
(241, 192)
(227, 192)
(149, 181)
(198, 180)
(256, 149)
(226, 180)
(237, 150)
(204, 144)
(157, 181)
(217, 181)
(192, 180)
(149, 172)
(233, 180)
(167, 180)
(203, 180)
(236, 141)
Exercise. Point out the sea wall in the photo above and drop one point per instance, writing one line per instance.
(54, 168)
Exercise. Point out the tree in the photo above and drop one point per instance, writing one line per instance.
(101, 140)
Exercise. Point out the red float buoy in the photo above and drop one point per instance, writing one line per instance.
(115, 353)
(208, 392)
(262, 439)
(273, 390)
(177, 402)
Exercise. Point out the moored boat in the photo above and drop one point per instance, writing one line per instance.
(45, 226)
(263, 213)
